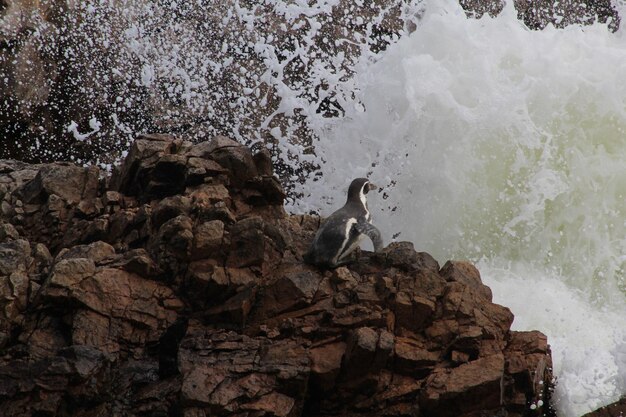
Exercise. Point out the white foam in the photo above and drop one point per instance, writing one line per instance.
(588, 341)
(505, 145)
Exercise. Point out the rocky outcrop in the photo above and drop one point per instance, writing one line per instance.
(176, 287)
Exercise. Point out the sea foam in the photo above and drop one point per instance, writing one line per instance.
(505, 146)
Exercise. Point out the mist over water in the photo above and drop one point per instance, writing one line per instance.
(507, 147)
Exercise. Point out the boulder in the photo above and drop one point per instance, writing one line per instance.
(208, 239)
(474, 386)
(133, 176)
(67, 181)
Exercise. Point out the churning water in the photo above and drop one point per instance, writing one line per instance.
(505, 146)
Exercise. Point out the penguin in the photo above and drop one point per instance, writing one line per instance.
(343, 230)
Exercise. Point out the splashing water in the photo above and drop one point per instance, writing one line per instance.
(504, 146)
(258, 71)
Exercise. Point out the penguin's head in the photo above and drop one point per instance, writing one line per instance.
(359, 188)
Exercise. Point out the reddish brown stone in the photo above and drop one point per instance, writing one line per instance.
(413, 358)
(413, 312)
(275, 404)
(69, 182)
(326, 363)
(207, 240)
(293, 290)
(237, 159)
(247, 243)
(474, 386)
(465, 273)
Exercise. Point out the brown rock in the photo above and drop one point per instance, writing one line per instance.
(207, 195)
(198, 385)
(13, 301)
(113, 200)
(169, 208)
(276, 404)
(293, 290)
(263, 162)
(89, 208)
(413, 312)
(8, 232)
(466, 273)
(207, 285)
(140, 262)
(237, 159)
(207, 281)
(208, 238)
(529, 342)
(167, 177)
(367, 351)
(200, 168)
(235, 372)
(326, 363)
(14, 256)
(343, 279)
(413, 358)
(403, 254)
(234, 310)
(528, 361)
(443, 332)
(474, 386)
(247, 243)
(173, 242)
(42, 257)
(46, 338)
(122, 308)
(263, 191)
(361, 350)
(134, 173)
(97, 252)
(67, 274)
(459, 357)
(69, 182)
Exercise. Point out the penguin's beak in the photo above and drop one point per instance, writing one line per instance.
(371, 186)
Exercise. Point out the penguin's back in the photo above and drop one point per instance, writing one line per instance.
(335, 235)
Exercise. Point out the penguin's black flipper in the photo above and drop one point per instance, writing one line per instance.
(373, 233)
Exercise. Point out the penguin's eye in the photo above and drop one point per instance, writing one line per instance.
(366, 187)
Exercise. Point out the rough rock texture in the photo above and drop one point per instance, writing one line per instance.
(177, 287)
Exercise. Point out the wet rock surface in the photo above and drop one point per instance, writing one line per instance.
(177, 287)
